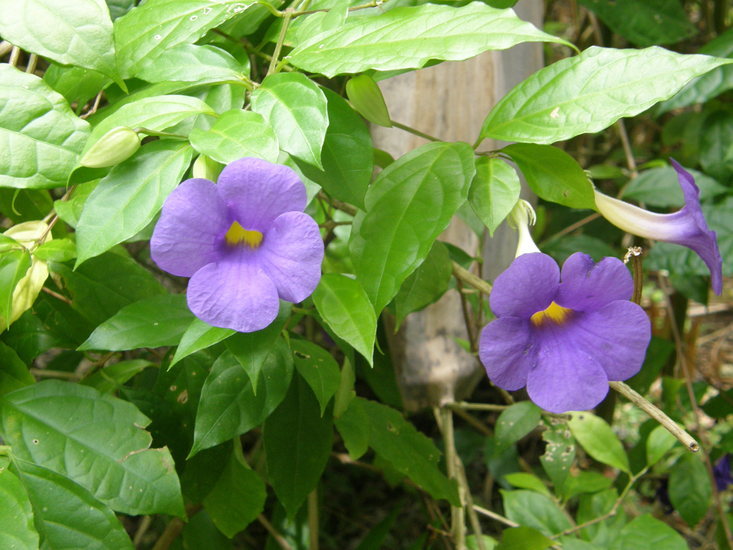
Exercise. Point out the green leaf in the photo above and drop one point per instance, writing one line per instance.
(129, 197)
(659, 187)
(553, 174)
(598, 440)
(199, 335)
(318, 368)
(112, 377)
(591, 91)
(153, 113)
(584, 482)
(398, 442)
(13, 372)
(345, 392)
(236, 134)
(346, 309)
(559, 453)
(709, 85)
(16, 515)
(229, 407)
(347, 155)
(426, 284)
(192, 63)
(76, 84)
(297, 444)
(689, 489)
(528, 481)
(22, 205)
(296, 109)
(101, 286)
(57, 250)
(75, 32)
(14, 264)
(94, 439)
(148, 323)
(409, 37)
(530, 509)
(716, 153)
(644, 23)
(648, 533)
(515, 422)
(657, 444)
(152, 28)
(236, 499)
(408, 206)
(494, 191)
(42, 137)
(67, 515)
(523, 538)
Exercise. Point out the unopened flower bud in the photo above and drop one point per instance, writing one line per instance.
(367, 99)
(521, 217)
(206, 168)
(115, 146)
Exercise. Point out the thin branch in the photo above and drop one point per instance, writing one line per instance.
(414, 131)
(279, 539)
(493, 515)
(470, 279)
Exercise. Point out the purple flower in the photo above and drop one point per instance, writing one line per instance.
(565, 335)
(244, 241)
(686, 226)
(721, 473)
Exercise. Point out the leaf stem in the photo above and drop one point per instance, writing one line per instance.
(470, 279)
(280, 39)
(649, 408)
(279, 539)
(313, 519)
(414, 131)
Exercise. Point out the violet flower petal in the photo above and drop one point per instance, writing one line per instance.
(257, 192)
(616, 335)
(527, 286)
(189, 231)
(507, 352)
(234, 294)
(291, 255)
(588, 286)
(565, 378)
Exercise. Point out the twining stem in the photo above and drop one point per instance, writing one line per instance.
(493, 515)
(313, 519)
(686, 439)
(279, 539)
(469, 278)
(280, 40)
(444, 418)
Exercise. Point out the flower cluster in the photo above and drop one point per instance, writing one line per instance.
(245, 242)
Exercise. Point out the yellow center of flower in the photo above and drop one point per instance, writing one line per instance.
(237, 235)
(553, 314)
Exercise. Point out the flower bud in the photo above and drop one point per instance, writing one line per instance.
(521, 217)
(206, 168)
(367, 99)
(115, 146)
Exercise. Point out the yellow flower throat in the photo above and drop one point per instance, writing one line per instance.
(237, 235)
(553, 314)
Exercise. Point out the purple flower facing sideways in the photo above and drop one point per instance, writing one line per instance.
(563, 335)
(244, 241)
(686, 226)
(721, 473)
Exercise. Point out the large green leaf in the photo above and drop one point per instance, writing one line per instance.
(236, 499)
(297, 444)
(409, 37)
(553, 174)
(559, 453)
(235, 135)
(192, 63)
(648, 533)
(709, 85)
(68, 515)
(103, 285)
(515, 422)
(347, 155)
(318, 368)
(16, 515)
(659, 187)
(531, 509)
(153, 113)
(230, 407)
(426, 284)
(644, 23)
(72, 32)
(296, 109)
(408, 206)
(398, 442)
(689, 488)
(494, 191)
(152, 28)
(346, 309)
(591, 91)
(716, 150)
(40, 136)
(94, 439)
(129, 197)
(597, 438)
(199, 335)
(149, 323)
